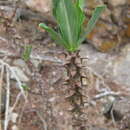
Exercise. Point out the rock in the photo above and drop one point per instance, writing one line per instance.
(14, 127)
(104, 36)
(6, 48)
(121, 107)
(95, 59)
(36, 63)
(107, 106)
(13, 117)
(114, 66)
(97, 128)
(100, 128)
(22, 64)
(125, 123)
(93, 3)
(20, 74)
(3, 102)
(7, 11)
(43, 6)
(117, 2)
(107, 109)
(19, 62)
(121, 71)
(116, 15)
(110, 30)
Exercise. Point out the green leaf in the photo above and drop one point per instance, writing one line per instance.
(54, 35)
(69, 18)
(54, 8)
(92, 22)
(81, 3)
(80, 20)
(27, 52)
(64, 15)
(25, 87)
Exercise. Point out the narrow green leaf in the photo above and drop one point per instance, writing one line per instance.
(92, 22)
(81, 3)
(65, 13)
(25, 87)
(27, 52)
(69, 18)
(54, 8)
(54, 35)
(80, 20)
(95, 16)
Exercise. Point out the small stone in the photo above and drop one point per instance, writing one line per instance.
(122, 107)
(93, 3)
(14, 127)
(84, 81)
(7, 12)
(107, 110)
(20, 74)
(22, 64)
(117, 2)
(14, 117)
(117, 14)
(97, 128)
(43, 6)
(19, 62)
(111, 98)
(84, 61)
(125, 122)
(36, 63)
(52, 99)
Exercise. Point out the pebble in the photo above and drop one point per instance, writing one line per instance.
(22, 64)
(122, 107)
(84, 81)
(36, 63)
(14, 127)
(14, 117)
(20, 74)
(117, 2)
(43, 6)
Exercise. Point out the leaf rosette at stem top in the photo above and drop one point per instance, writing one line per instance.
(70, 19)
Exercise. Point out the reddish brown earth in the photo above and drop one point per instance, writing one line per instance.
(51, 103)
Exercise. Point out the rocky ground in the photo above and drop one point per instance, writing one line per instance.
(40, 93)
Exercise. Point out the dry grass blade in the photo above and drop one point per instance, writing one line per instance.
(9, 71)
(15, 76)
(7, 100)
(1, 83)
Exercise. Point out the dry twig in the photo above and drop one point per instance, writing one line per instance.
(7, 112)
(10, 71)
(1, 83)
